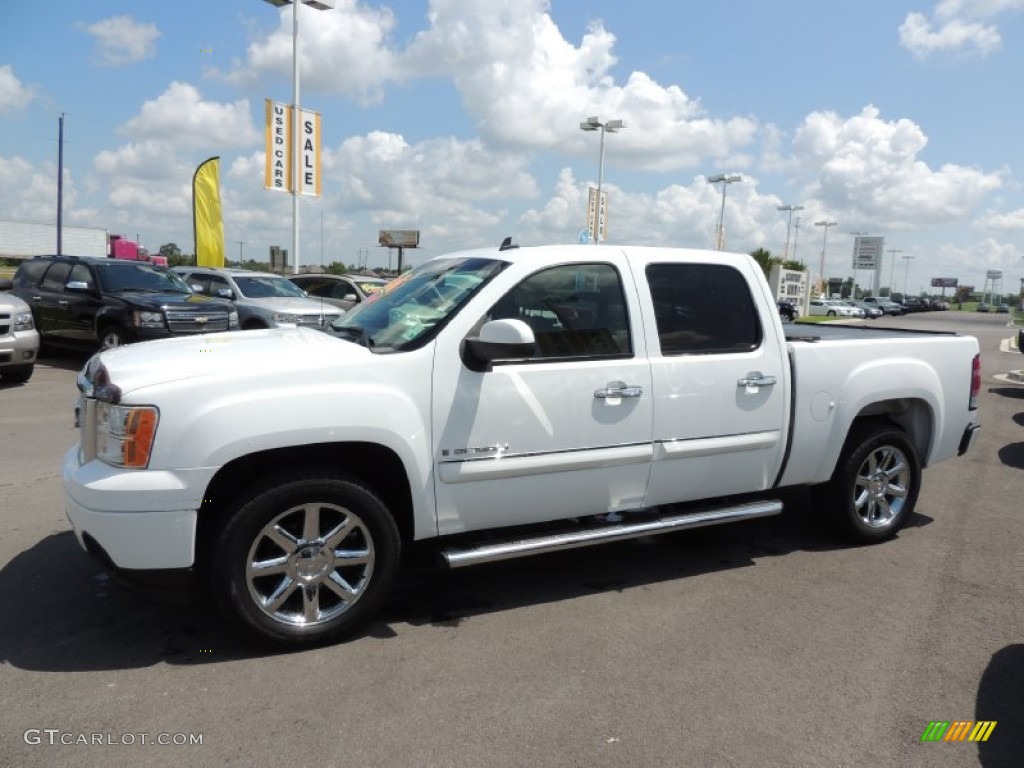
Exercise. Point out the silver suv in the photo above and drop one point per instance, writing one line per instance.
(19, 340)
(263, 300)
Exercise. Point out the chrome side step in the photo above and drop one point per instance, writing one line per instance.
(551, 542)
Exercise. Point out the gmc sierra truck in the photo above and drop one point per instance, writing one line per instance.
(495, 404)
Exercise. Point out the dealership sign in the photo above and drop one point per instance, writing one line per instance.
(867, 252)
(944, 282)
(280, 148)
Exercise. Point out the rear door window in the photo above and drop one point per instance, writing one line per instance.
(703, 309)
(56, 276)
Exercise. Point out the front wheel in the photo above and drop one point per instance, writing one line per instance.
(112, 337)
(305, 559)
(831, 314)
(875, 484)
(17, 374)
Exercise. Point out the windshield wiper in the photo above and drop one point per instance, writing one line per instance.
(357, 333)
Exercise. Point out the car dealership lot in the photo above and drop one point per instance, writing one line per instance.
(762, 643)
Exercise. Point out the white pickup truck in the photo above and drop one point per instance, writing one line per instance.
(498, 403)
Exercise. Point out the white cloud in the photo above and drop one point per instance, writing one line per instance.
(180, 116)
(348, 44)
(867, 168)
(1010, 221)
(122, 40)
(13, 95)
(529, 87)
(955, 26)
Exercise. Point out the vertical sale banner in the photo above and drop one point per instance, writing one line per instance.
(280, 150)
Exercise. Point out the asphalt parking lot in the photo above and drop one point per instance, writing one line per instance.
(765, 643)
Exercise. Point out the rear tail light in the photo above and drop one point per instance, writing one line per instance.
(975, 383)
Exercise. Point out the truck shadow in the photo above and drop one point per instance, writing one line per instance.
(62, 613)
(1011, 392)
(1012, 455)
(999, 699)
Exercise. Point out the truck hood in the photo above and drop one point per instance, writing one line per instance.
(229, 357)
(170, 300)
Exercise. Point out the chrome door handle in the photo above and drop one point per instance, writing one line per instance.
(619, 389)
(756, 379)
(63, 302)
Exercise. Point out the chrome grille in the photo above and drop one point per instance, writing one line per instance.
(5, 324)
(313, 321)
(196, 321)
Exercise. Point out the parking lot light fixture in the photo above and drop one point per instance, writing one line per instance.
(725, 181)
(824, 244)
(609, 126)
(320, 5)
(789, 226)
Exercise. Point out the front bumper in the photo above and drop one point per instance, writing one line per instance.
(19, 348)
(115, 509)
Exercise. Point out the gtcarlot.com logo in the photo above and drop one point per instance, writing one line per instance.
(55, 736)
(958, 730)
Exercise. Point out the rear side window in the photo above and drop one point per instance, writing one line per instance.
(55, 277)
(30, 273)
(703, 309)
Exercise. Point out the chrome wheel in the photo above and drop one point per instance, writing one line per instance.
(112, 338)
(881, 486)
(310, 564)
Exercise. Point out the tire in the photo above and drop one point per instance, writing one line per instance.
(875, 485)
(307, 595)
(831, 314)
(17, 374)
(112, 337)
(253, 325)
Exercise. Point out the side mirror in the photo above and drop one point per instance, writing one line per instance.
(350, 297)
(77, 285)
(225, 293)
(499, 340)
(6, 285)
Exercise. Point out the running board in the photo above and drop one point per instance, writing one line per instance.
(551, 542)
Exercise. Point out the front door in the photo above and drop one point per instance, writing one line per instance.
(565, 433)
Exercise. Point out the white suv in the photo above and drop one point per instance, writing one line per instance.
(19, 340)
(263, 299)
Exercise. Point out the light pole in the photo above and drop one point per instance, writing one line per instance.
(824, 244)
(725, 182)
(240, 244)
(906, 271)
(609, 126)
(296, 148)
(892, 268)
(789, 225)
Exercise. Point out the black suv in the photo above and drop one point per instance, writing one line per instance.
(109, 302)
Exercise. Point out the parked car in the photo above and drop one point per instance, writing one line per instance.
(110, 302)
(263, 299)
(19, 339)
(888, 306)
(983, 307)
(1003, 309)
(343, 291)
(497, 404)
(787, 310)
(829, 308)
(854, 308)
(871, 311)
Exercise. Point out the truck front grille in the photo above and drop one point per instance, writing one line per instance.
(5, 323)
(196, 321)
(312, 321)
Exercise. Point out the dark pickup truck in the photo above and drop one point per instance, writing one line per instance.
(109, 302)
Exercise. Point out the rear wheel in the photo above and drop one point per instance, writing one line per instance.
(875, 485)
(831, 314)
(305, 560)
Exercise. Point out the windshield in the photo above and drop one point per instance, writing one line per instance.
(267, 287)
(140, 277)
(407, 310)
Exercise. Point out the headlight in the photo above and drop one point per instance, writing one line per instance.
(148, 319)
(233, 320)
(285, 319)
(23, 321)
(124, 434)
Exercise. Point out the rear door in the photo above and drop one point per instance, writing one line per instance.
(719, 382)
(49, 302)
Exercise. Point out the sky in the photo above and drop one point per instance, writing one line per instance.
(460, 119)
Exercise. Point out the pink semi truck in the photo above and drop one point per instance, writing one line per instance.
(121, 248)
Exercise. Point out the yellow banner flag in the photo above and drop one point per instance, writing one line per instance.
(207, 221)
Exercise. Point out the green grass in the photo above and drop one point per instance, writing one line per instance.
(7, 273)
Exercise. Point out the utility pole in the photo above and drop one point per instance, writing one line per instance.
(60, 185)
(892, 268)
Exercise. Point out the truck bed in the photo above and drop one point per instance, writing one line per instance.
(813, 332)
